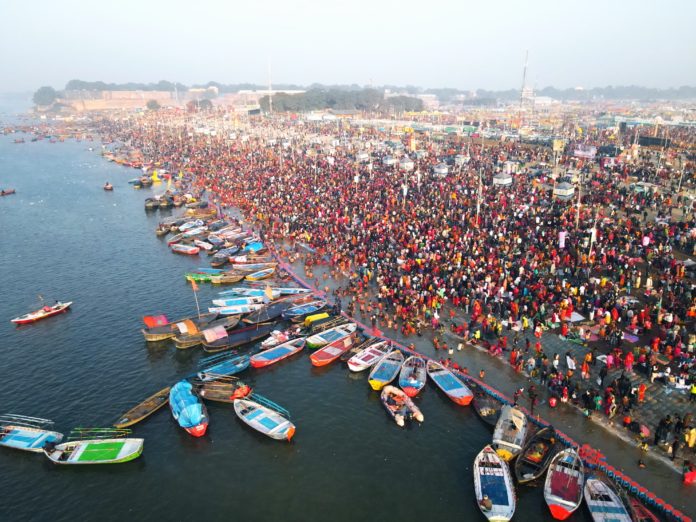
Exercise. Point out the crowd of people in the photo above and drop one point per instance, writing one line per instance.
(418, 252)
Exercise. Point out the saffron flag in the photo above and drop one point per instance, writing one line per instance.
(194, 285)
(268, 293)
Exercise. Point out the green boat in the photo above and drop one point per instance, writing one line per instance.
(98, 451)
(198, 278)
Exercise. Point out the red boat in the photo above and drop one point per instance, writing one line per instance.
(331, 352)
(7, 192)
(42, 313)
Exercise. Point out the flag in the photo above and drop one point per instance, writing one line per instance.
(194, 286)
(268, 293)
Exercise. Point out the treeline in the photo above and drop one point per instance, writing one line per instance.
(338, 99)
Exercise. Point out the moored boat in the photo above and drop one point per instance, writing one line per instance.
(221, 388)
(265, 417)
(412, 376)
(486, 406)
(194, 336)
(158, 327)
(233, 301)
(298, 312)
(604, 503)
(449, 383)
(235, 309)
(261, 274)
(180, 248)
(331, 351)
(386, 370)
(144, 409)
(400, 406)
(369, 356)
(222, 364)
(510, 432)
(27, 433)
(495, 493)
(227, 278)
(536, 455)
(639, 512)
(268, 312)
(331, 335)
(238, 337)
(95, 451)
(42, 313)
(188, 409)
(277, 353)
(564, 483)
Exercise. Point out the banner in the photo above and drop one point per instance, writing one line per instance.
(585, 151)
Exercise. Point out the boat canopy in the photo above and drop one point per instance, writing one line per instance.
(152, 321)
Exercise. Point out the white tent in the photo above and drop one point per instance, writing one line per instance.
(440, 169)
(406, 164)
(503, 179)
(388, 161)
(564, 191)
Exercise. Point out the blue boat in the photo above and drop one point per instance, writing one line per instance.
(234, 301)
(253, 247)
(212, 271)
(226, 364)
(247, 292)
(188, 409)
(299, 311)
(26, 433)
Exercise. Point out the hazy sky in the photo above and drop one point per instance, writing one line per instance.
(430, 43)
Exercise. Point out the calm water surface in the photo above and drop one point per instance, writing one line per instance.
(63, 237)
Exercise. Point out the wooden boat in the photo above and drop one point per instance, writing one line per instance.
(108, 187)
(223, 364)
(26, 433)
(188, 409)
(203, 245)
(449, 383)
(564, 484)
(412, 376)
(193, 233)
(331, 335)
(198, 277)
(180, 248)
(158, 328)
(282, 290)
(331, 351)
(42, 313)
(604, 503)
(369, 356)
(235, 309)
(162, 231)
(257, 413)
(386, 370)
(189, 225)
(638, 511)
(254, 270)
(250, 259)
(175, 239)
(277, 353)
(227, 278)
(237, 301)
(194, 337)
(536, 455)
(268, 312)
(399, 405)
(486, 406)
(495, 493)
(222, 388)
(7, 192)
(96, 451)
(298, 312)
(144, 409)
(510, 432)
(239, 337)
(151, 203)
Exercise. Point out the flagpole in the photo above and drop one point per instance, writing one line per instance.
(195, 297)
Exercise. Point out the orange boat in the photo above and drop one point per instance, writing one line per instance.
(331, 352)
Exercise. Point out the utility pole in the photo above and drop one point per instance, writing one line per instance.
(524, 84)
(270, 89)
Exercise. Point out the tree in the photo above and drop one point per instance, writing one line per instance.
(205, 105)
(45, 95)
(153, 105)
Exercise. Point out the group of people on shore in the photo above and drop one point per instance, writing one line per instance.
(414, 247)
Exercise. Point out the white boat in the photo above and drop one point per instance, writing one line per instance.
(495, 493)
(26, 433)
(97, 451)
(510, 432)
(233, 301)
(386, 370)
(235, 309)
(264, 419)
(564, 484)
(331, 335)
(604, 503)
(368, 357)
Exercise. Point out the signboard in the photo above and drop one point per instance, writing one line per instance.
(558, 145)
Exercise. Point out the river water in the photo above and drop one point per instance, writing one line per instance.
(65, 238)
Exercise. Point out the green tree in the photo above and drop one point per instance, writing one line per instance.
(45, 95)
(205, 105)
(153, 105)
